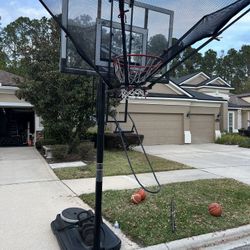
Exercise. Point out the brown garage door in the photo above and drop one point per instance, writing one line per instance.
(159, 128)
(202, 128)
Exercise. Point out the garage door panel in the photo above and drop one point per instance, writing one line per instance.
(202, 128)
(159, 128)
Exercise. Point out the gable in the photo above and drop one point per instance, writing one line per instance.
(163, 89)
(169, 89)
(246, 99)
(218, 82)
(196, 80)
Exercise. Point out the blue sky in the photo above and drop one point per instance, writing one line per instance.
(234, 37)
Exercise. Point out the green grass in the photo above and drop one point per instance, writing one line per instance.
(149, 222)
(115, 163)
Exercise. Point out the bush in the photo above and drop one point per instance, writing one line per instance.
(48, 142)
(231, 139)
(39, 145)
(86, 150)
(245, 143)
(60, 152)
(113, 140)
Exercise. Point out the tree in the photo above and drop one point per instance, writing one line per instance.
(209, 62)
(157, 44)
(64, 102)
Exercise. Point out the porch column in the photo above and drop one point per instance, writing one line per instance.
(239, 125)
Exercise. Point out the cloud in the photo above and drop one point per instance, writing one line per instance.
(10, 11)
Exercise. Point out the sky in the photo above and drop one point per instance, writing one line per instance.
(234, 37)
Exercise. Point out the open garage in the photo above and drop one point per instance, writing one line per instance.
(16, 126)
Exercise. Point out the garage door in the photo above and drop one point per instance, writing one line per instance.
(202, 128)
(159, 128)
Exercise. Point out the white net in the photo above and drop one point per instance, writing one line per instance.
(127, 93)
(140, 67)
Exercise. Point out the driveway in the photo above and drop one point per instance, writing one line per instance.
(221, 160)
(30, 198)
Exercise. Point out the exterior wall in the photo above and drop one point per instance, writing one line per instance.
(9, 99)
(196, 80)
(247, 99)
(162, 88)
(175, 107)
(224, 117)
(245, 119)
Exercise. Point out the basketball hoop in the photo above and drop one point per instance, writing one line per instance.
(133, 92)
(140, 67)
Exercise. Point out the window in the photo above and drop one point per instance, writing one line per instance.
(231, 122)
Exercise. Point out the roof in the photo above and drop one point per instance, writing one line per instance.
(243, 95)
(9, 79)
(194, 95)
(202, 96)
(183, 78)
(203, 83)
(236, 102)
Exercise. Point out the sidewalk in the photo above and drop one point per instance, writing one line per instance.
(87, 185)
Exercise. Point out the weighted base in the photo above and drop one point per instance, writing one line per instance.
(74, 230)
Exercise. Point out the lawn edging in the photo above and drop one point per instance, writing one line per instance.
(204, 240)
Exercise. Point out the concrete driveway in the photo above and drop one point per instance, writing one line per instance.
(30, 197)
(221, 160)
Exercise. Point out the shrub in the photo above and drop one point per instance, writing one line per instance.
(245, 143)
(44, 142)
(60, 152)
(38, 145)
(231, 139)
(113, 140)
(86, 150)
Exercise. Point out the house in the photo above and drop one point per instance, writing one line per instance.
(238, 112)
(18, 121)
(192, 109)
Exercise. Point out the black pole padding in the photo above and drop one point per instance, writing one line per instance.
(99, 164)
(124, 43)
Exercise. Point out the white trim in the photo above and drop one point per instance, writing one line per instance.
(38, 121)
(239, 114)
(8, 87)
(180, 89)
(208, 87)
(16, 104)
(218, 78)
(174, 99)
(233, 122)
(201, 73)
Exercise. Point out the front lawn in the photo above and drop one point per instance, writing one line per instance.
(115, 163)
(149, 222)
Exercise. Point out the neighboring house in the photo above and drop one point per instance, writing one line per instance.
(239, 112)
(191, 109)
(18, 121)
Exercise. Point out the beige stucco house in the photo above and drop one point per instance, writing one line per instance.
(239, 112)
(18, 121)
(191, 109)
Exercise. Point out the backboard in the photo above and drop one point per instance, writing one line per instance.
(100, 29)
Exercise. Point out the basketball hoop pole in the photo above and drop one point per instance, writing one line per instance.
(99, 164)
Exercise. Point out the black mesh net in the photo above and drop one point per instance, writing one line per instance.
(151, 26)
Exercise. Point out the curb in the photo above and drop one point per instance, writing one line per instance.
(205, 240)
